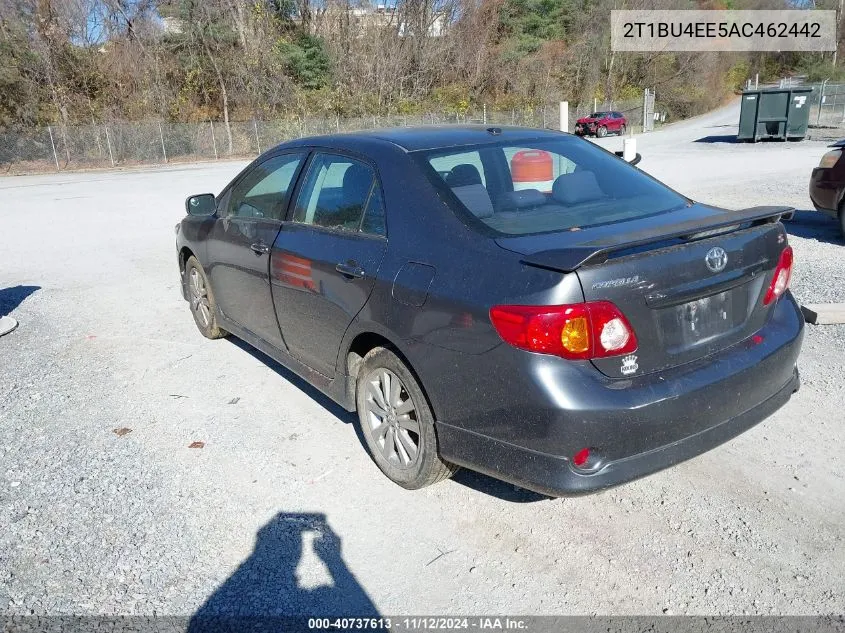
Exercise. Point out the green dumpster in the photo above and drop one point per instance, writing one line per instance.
(774, 113)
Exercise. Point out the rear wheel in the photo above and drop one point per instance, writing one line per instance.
(397, 423)
(622, 130)
(601, 132)
(201, 298)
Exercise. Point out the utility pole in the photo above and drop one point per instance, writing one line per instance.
(838, 19)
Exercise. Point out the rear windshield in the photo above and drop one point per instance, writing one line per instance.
(545, 186)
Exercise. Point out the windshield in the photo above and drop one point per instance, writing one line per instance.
(545, 186)
(598, 115)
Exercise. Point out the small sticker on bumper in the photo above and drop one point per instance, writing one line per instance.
(629, 365)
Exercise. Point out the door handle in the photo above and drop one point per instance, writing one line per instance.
(350, 269)
(260, 248)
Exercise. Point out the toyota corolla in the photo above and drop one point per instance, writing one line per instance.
(515, 301)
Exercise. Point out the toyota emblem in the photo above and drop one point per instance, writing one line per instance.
(716, 259)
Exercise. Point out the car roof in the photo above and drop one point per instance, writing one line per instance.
(412, 139)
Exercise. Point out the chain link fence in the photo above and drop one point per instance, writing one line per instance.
(827, 110)
(125, 144)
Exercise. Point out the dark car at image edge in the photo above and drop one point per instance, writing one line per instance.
(566, 327)
(827, 184)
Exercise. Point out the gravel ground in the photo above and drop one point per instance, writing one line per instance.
(281, 510)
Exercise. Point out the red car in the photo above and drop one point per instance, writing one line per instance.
(600, 123)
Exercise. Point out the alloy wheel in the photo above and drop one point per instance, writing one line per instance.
(392, 419)
(199, 298)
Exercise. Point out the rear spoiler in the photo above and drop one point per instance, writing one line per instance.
(570, 259)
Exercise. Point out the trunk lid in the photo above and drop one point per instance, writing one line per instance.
(690, 285)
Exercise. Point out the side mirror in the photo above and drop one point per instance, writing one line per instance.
(201, 204)
(636, 159)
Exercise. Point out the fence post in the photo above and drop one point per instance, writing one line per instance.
(213, 140)
(645, 110)
(257, 139)
(108, 142)
(595, 104)
(821, 100)
(52, 142)
(485, 114)
(161, 136)
(564, 116)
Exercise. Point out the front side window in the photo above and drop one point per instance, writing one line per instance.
(546, 186)
(341, 193)
(263, 192)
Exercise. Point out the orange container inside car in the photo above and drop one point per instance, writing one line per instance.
(532, 168)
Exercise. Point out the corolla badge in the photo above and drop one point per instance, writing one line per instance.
(716, 259)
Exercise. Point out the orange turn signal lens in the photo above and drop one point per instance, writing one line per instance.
(575, 335)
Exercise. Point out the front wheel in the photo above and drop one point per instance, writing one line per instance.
(601, 132)
(201, 298)
(397, 423)
(842, 222)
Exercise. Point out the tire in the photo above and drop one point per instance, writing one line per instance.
(201, 300)
(623, 130)
(842, 222)
(601, 132)
(407, 422)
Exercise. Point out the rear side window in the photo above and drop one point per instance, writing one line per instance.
(341, 193)
(545, 186)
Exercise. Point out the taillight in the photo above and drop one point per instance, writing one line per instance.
(783, 273)
(830, 158)
(594, 329)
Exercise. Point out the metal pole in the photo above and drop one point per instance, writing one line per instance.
(108, 142)
(257, 139)
(564, 116)
(821, 100)
(161, 136)
(485, 114)
(213, 140)
(756, 81)
(645, 109)
(55, 156)
(595, 104)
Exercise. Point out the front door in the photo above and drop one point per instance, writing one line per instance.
(249, 218)
(325, 259)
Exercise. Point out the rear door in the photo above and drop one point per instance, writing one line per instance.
(325, 258)
(688, 300)
(249, 217)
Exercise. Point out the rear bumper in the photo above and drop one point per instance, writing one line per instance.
(635, 427)
(555, 476)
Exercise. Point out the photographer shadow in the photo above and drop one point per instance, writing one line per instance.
(266, 591)
(13, 296)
